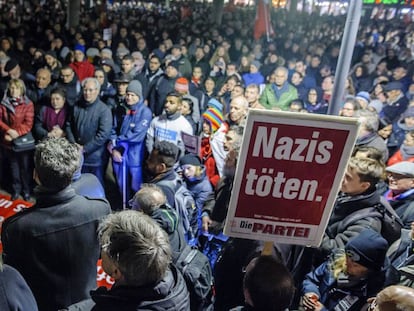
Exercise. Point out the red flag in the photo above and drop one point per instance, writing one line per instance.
(262, 24)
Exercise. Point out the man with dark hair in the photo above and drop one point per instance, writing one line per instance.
(160, 167)
(170, 125)
(268, 285)
(70, 82)
(54, 244)
(136, 253)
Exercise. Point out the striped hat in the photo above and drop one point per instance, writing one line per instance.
(214, 117)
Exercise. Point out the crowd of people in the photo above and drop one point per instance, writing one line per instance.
(112, 118)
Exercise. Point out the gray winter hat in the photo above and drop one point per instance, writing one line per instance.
(135, 87)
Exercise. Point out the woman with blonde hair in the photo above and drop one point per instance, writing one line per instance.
(349, 277)
(16, 120)
(220, 52)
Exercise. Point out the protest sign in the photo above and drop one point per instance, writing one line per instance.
(289, 172)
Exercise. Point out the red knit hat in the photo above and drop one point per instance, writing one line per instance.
(181, 85)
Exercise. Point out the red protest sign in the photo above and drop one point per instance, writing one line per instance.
(288, 174)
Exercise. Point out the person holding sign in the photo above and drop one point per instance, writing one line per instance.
(358, 191)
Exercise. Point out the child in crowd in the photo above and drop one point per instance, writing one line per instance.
(194, 175)
(212, 120)
(349, 277)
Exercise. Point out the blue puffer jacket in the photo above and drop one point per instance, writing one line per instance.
(330, 291)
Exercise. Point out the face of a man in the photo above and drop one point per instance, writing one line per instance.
(154, 64)
(237, 110)
(152, 164)
(43, 79)
(280, 77)
(131, 98)
(399, 73)
(172, 105)
(79, 56)
(252, 94)
(127, 65)
(296, 78)
(348, 110)
(300, 67)
(398, 183)
(99, 75)
(121, 87)
(67, 75)
(171, 72)
(90, 92)
(229, 140)
(352, 184)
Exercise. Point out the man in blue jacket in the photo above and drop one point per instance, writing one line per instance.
(127, 144)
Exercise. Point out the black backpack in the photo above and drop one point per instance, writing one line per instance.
(391, 223)
(195, 267)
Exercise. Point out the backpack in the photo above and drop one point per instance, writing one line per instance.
(391, 224)
(197, 273)
(185, 207)
(212, 246)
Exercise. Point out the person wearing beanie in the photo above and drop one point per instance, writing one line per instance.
(181, 86)
(126, 146)
(212, 120)
(253, 76)
(398, 136)
(194, 175)
(363, 99)
(82, 67)
(350, 276)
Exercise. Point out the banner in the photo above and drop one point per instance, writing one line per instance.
(289, 172)
(263, 25)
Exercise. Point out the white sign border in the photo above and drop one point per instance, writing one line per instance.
(288, 118)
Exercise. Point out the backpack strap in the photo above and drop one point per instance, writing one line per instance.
(360, 214)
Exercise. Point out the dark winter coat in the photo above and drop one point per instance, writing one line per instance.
(55, 247)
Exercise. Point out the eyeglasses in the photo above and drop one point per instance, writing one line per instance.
(397, 176)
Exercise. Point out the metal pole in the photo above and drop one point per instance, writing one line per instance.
(345, 55)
